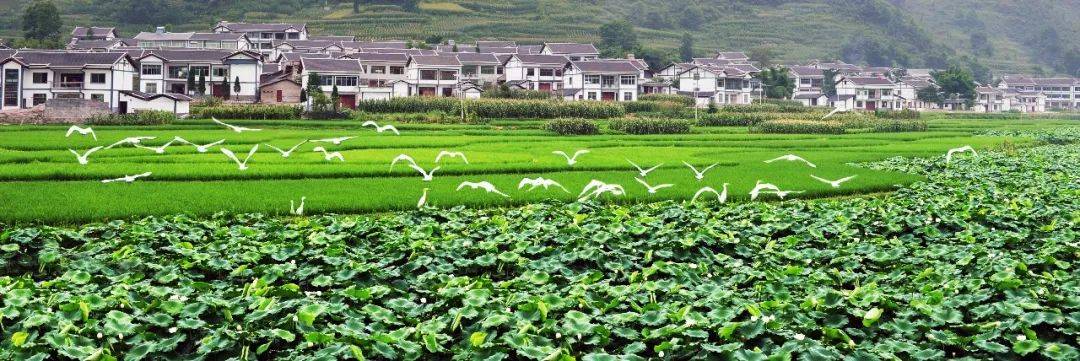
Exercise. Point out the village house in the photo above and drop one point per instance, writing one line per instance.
(94, 33)
(33, 77)
(381, 72)
(868, 93)
(808, 85)
(480, 68)
(535, 72)
(572, 51)
(162, 39)
(100, 45)
(233, 73)
(306, 46)
(279, 87)
(262, 36)
(430, 75)
(720, 85)
(344, 74)
(607, 80)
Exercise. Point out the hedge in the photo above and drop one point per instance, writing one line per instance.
(572, 126)
(650, 126)
(792, 126)
(732, 119)
(497, 108)
(145, 117)
(248, 111)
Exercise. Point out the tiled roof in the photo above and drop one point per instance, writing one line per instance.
(529, 49)
(307, 43)
(332, 37)
(539, 59)
(607, 66)
(68, 58)
(731, 55)
(869, 80)
(332, 65)
(806, 71)
(571, 48)
(435, 60)
(215, 37)
(94, 44)
(81, 31)
(208, 55)
(155, 36)
(389, 44)
(477, 58)
(380, 57)
(148, 96)
(1054, 81)
(496, 43)
(252, 27)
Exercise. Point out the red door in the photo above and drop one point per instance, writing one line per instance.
(348, 101)
(218, 90)
(545, 87)
(607, 96)
(427, 91)
(279, 96)
(871, 105)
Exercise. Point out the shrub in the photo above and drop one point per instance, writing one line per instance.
(248, 111)
(649, 106)
(572, 126)
(894, 114)
(497, 108)
(772, 105)
(732, 119)
(328, 114)
(145, 117)
(792, 126)
(672, 98)
(899, 125)
(650, 126)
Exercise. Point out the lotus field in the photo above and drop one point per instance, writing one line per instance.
(43, 180)
(915, 258)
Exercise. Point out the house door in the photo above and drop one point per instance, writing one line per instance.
(218, 90)
(871, 105)
(607, 96)
(121, 108)
(427, 91)
(279, 95)
(177, 88)
(348, 101)
(545, 87)
(447, 92)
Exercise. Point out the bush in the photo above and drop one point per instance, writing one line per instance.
(894, 114)
(771, 105)
(650, 126)
(328, 114)
(672, 98)
(732, 119)
(572, 126)
(649, 106)
(792, 126)
(497, 108)
(145, 117)
(899, 125)
(248, 111)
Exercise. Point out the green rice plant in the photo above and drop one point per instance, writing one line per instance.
(792, 126)
(640, 126)
(248, 111)
(145, 117)
(572, 126)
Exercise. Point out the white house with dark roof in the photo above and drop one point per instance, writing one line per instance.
(345, 74)
(717, 84)
(1061, 92)
(535, 71)
(381, 71)
(162, 39)
(870, 93)
(264, 35)
(607, 80)
(166, 71)
(33, 77)
(306, 46)
(808, 83)
(572, 51)
(480, 68)
(430, 75)
(94, 33)
(734, 56)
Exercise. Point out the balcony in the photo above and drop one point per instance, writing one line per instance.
(68, 81)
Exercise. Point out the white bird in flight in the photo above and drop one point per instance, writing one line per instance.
(328, 155)
(451, 155)
(653, 189)
(401, 157)
(759, 187)
(201, 148)
(966, 148)
(161, 149)
(571, 160)
(80, 130)
(297, 211)
(597, 188)
(428, 176)
(127, 179)
(381, 129)
(286, 153)
(83, 157)
(641, 171)
(792, 158)
(833, 183)
(700, 174)
(423, 199)
(334, 141)
(485, 185)
(837, 110)
(129, 140)
(720, 196)
(784, 194)
(242, 164)
(234, 128)
(533, 183)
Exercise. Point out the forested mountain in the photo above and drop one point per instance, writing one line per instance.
(1004, 35)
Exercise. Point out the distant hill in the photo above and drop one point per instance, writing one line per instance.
(914, 33)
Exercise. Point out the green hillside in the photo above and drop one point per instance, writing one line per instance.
(913, 33)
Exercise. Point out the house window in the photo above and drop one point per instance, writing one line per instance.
(547, 72)
(592, 79)
(378, 70)
(448, 75)
(151, 69)
(294, 36)
(200, 70)
(98, 97)
(487, 69)
(97, 78)
(570, 80)
(530, 72)
(592, 95)
(41, 78)
(11, 87)
(221, 72)
(499, 70)
(397, 70)
(628, 80)
(177, 72)
(627, 96)
(151, 88)
(429, 75)
(858, 104)
(346, 81)
(38, 99)
(326, 80)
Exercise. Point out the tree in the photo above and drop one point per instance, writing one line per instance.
(190, 82)
(686, 50)
(303, 95)
(956, 83)
(236, 85)
(313, 86)
(930, 94)
(90, 33)
(41, 21)
(225, 93)
(777, 83)
(454, 49)
(618, 38)
(828, 83)
(202, 84)
(335, 98)
(763, 55)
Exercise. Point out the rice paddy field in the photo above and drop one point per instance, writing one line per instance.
(41, 181)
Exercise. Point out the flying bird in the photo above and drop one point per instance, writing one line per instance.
(234, 128)
(334, 141)
(428, 176)
(161, 149)
(242, 164)
(837, 110)
(83, 157)
(597, 188)
(833, 183)
(200, 148)
(653, 189)
(644, 172)
(129, 140)
(792, 158)
(128, 178)
(381, 129)
(720, 196)
(539, 182)
(485, 185)
(784, 194)
(327, 155)
(760, 187)
(286, 153)
(80, 130)
(966, 148)
(297, 211)
(423, 199)
(402, 157)
(451, 155)
(700, 174)
(571, 160)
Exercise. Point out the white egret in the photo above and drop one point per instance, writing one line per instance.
(200, 148)
(485, 185)
(451, 155)
(837, 110)
(328, 155)
(127, 178)
(759, 187)
(235, 128)
(83, 157)
(792, 158)
(784, 194)
(833, 183)
(429, 175)
(242, 164)
(571, 160)
(297, 211)
(653, 189)
(334, 141)
(597, 188)
(379, 128)
(540, 182)
(966, 148)
(80, 130)
(423, 199)
(700, 175)
(720, 197)
(286, 153)
(129, 140)
(644, 172)
(161, 149)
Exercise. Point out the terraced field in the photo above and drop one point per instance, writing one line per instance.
(43, 182)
